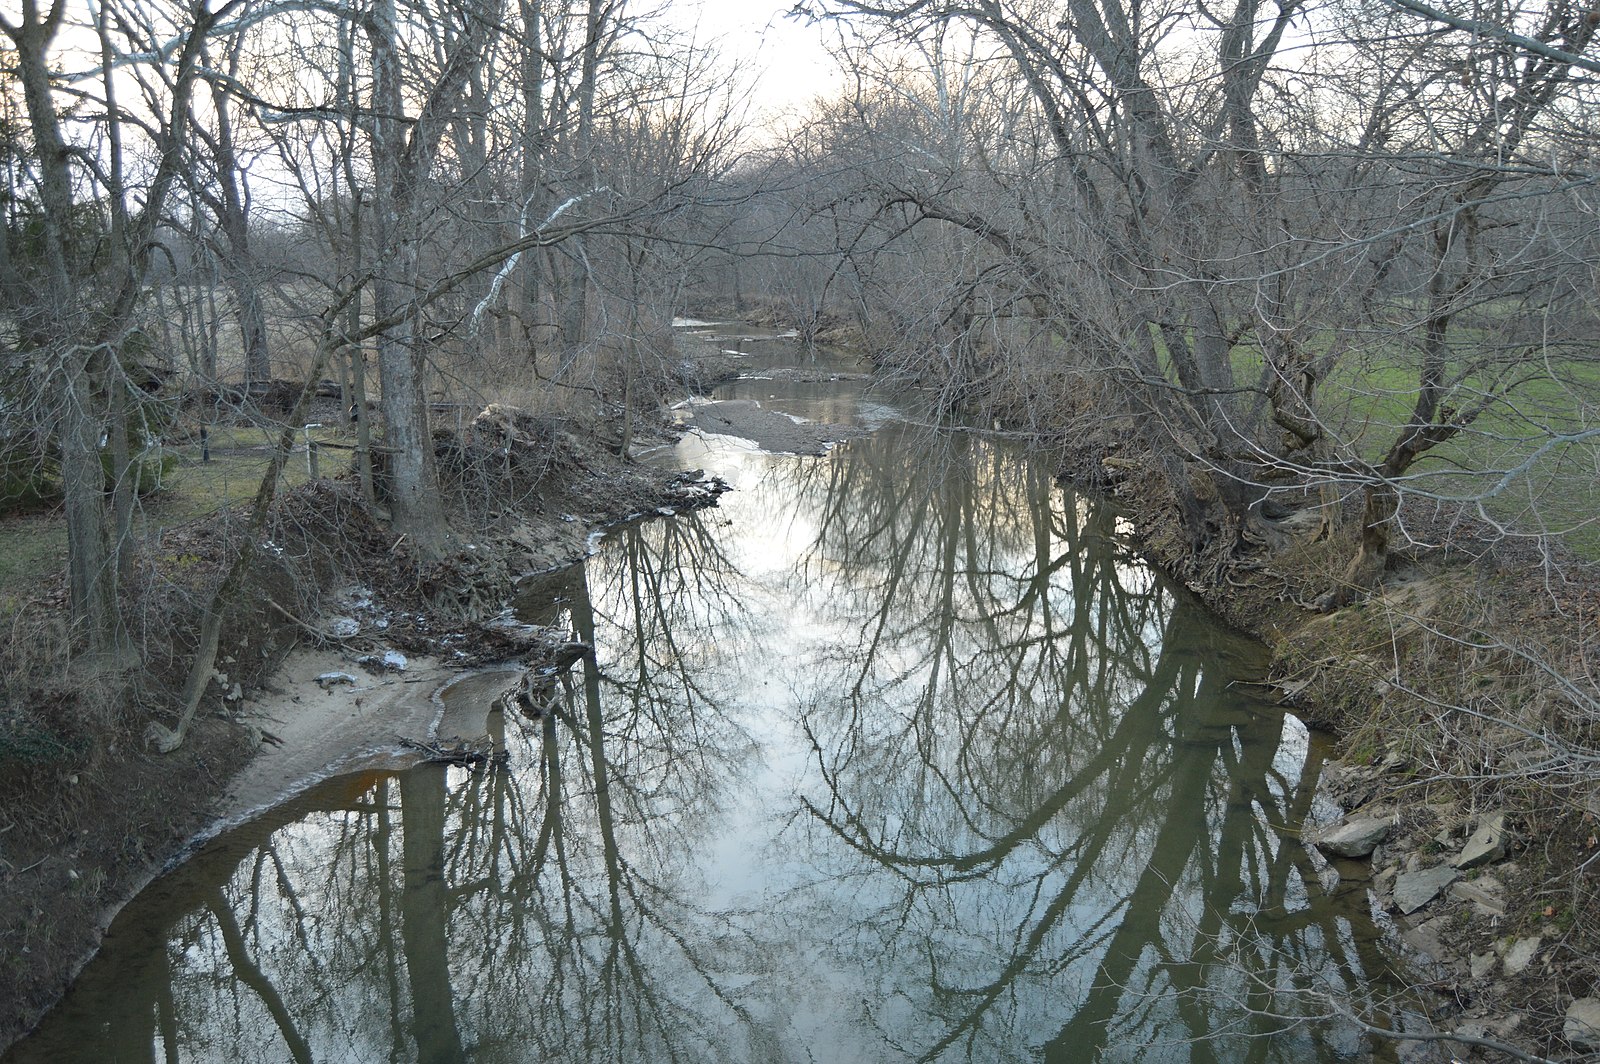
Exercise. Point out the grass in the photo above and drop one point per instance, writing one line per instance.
(239, 456)
(33, 547)
(1557, 495)
(1369, 396)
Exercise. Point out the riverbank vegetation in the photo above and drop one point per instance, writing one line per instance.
(1311, 287)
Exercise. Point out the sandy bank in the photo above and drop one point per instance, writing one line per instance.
(313, 731)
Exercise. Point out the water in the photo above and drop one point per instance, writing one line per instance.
(898, 754)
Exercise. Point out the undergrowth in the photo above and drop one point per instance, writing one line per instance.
(1477, 683)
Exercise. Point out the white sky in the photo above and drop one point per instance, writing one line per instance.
(784, 59)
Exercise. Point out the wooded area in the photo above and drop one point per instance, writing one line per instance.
(1305, 246)
(1323, 276)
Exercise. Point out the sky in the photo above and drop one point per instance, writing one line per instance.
(785, 58)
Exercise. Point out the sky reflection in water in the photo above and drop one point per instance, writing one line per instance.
(895, 755)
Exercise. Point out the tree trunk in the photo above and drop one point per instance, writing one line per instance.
(1380, 503)
(49, 324)
(239, 265)
(535, 143)
(575, 304)
(413, 488)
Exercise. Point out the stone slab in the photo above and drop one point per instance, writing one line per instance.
(1521, 954)
(1487, 844)
(1582, 1028)
(1413, 890)
(1357, 837)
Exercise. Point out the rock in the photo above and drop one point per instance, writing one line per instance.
(1487, 894)
(1481, 964)
(344, 627)
(1413, 890)
(388, 661)
(1424, 938)
(1353, 838)
(1487, 844)
(1520, 954)
(1582, 1028)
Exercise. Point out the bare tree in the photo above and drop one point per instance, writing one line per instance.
(79, 309)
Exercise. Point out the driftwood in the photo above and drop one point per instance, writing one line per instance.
(457, 751)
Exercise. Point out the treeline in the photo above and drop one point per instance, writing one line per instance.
(1291, 253)
(395, 195)
(1330, 262)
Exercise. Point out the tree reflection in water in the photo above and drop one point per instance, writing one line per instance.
(898, 755)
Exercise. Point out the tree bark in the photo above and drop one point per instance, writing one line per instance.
(53, 325)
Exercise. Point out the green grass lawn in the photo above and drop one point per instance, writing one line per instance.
(33, 547)
(1370, 395)
(1369, 398)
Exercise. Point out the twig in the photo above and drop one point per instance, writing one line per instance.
(316, 633)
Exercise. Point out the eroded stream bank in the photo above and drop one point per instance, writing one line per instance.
(897, 753)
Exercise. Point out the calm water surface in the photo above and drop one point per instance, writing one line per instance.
(895, 755)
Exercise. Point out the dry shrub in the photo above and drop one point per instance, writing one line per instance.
(57, 710)
(320, 533)
(500, 462)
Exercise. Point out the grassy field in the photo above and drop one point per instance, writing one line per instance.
(1369, 397)
(1557, 493)
(33, 547)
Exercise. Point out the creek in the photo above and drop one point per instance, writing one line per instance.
(899, 753)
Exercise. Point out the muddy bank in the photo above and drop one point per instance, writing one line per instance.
(768, 429)
(333, 664)
(1471, 808)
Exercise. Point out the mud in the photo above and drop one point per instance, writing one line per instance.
(768, 429)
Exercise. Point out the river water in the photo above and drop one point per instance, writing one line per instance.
(897, 754)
